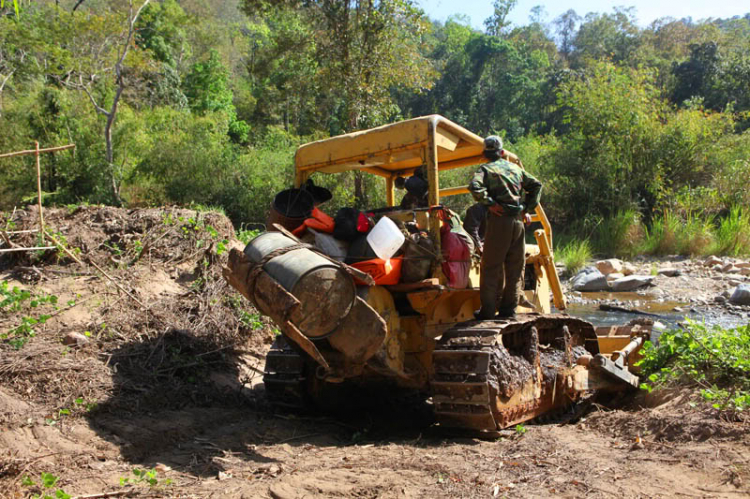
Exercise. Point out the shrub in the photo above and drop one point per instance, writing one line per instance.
(715, 359)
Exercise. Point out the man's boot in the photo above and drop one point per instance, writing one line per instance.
(506, 313)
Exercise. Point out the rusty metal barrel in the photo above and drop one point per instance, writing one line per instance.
(325, 291)
(290, 208)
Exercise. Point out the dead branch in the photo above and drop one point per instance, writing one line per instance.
(103, 494)
(35, 248)
(97, 267)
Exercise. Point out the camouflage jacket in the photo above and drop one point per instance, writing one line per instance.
(475, 222)
(503, 183)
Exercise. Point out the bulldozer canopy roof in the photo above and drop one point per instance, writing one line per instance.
(398, 148)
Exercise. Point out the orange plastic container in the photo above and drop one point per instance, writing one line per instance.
(385, 272)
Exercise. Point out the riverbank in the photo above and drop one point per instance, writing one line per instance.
(697, 288)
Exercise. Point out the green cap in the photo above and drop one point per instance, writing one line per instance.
(493, 143)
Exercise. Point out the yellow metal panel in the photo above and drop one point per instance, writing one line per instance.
(446, 140)
(392, 147)
(453, 191)
(389, 191)
(549, 266)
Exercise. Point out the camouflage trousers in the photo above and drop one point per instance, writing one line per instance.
(503, 261)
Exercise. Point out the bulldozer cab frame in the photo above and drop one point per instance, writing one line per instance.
(398, 149)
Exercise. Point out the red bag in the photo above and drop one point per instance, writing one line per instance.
(456, 258)
(363, 223)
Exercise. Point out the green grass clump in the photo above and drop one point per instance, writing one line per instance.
(663, 237)
(733, 234)
(574, 254)
(716, 360)
(620, 235)
(697, 235)
(672, 234)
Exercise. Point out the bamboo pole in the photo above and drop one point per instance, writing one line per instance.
(39, 187)
(36, 151)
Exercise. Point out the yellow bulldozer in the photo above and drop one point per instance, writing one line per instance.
(339, 326)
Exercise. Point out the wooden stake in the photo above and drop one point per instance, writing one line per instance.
(39, 187)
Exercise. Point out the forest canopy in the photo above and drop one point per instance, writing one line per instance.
(204, 102)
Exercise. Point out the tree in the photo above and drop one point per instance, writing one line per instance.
(207, 91)
(119, 81)
(566, 28)
(498, 23)
(696, 76)
(161, 29)
(363, 49)
(614, 36)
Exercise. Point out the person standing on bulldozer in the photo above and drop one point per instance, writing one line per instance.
(500, 186)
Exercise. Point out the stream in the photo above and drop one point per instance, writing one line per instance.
(586, 307)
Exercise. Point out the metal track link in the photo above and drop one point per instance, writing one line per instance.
(460, 389)
(471, 370)
(284, 377)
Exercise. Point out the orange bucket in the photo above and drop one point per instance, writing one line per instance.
(385, 272)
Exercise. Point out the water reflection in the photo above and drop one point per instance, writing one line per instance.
(664, 311)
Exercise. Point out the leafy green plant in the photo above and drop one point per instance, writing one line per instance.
(48, 482)
(21, 301)
(247, 235)
(521, 429)
(114, 248)
(715, 359)
(137, 248)
(251, 320)
(146, 477)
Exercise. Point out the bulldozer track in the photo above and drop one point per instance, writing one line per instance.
(284, 377)
(475, 376)
(487, 376)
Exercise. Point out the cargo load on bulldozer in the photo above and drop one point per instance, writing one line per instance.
(407, 320)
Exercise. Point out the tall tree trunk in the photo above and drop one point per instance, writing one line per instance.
(111, 115)
(360, 197)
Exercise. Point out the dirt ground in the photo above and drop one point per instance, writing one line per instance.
(163, 375)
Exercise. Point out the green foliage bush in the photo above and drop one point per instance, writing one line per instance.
(715, 359)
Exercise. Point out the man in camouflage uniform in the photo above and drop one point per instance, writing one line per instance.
(500, 185)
